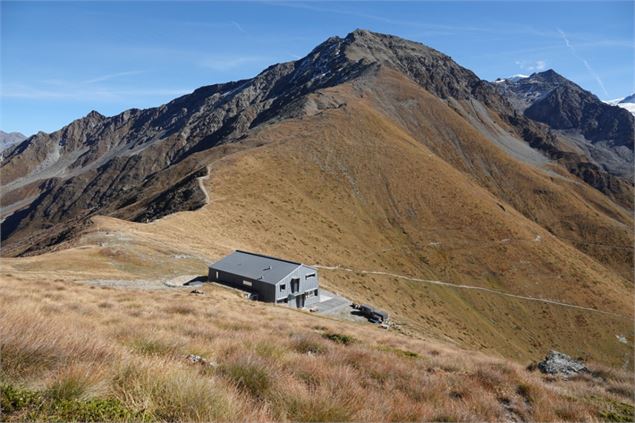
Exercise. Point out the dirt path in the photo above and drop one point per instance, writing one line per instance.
(202, 186)
(477, 288)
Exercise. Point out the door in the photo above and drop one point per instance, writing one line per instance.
(295, 285)
(299, 300)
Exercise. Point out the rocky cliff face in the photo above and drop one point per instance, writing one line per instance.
(550, 98)
(143, 164)
(604, 133)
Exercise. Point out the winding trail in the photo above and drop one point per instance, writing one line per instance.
(200, 183)
(476, 288)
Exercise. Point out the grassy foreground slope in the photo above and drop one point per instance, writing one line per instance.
(76, 352)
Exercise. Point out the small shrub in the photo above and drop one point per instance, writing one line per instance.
(339, 338)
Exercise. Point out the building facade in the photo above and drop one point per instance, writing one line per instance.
(269, 279)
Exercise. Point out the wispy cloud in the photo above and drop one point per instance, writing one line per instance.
(80, 93)
(238, 27)
(587, 65)
(384, 19)
(110, 76)
(532, 66)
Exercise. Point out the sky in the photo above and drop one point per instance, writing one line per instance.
(60, 60)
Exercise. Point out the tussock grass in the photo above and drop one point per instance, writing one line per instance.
(248, 376)
(339, 338)
(101, 363)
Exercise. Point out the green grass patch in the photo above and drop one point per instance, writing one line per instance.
(67, 388)
(339, 338)
(616, 411)
(22, 404)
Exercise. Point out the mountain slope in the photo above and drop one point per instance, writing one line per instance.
(401, 162)
(606, 132)
(68, 175)
(7, 139)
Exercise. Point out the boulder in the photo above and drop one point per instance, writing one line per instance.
(558, 363)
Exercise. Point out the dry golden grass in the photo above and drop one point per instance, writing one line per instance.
(266, 363)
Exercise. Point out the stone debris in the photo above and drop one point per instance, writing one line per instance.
(559, 363)
(197, 292)
(197, 359)
(622, 339)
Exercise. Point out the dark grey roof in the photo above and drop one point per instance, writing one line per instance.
(256, 266)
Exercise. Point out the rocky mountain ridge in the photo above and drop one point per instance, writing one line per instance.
(604, 133)
(550, 98)
(135, 164)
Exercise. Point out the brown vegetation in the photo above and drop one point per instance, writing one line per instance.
(263, 363)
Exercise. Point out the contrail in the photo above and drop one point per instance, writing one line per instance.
(583, 60)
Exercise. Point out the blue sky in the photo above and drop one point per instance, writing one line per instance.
(62, 59)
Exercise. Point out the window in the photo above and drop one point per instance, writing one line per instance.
(216, 275)
(247, 283)
(309, 275)
(283, 286)
(295, 285)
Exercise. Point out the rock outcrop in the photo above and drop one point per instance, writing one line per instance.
(558, 363)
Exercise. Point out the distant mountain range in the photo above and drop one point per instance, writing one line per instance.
(627, 103)
(7, 139)
(605, 132)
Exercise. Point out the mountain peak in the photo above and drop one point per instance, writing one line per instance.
(94, 114)
(550, 76)
(628, 99)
